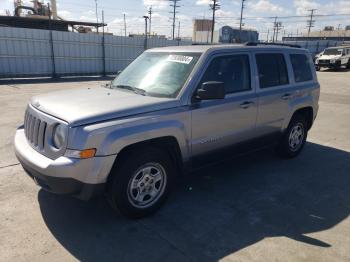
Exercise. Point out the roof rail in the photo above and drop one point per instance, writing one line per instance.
(277, 44)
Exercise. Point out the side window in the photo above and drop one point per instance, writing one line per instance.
(301, 67)
(233, 71)
(272, 70)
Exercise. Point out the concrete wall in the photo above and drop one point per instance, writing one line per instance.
(27, 52)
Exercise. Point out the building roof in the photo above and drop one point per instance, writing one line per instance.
(333, 33)
(237, 28)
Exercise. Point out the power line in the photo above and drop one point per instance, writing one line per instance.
(240, 21)
(214, 6)
(284, 17)
(174, 6)
(310, 23)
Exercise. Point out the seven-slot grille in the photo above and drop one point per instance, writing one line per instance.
(324, 61)
(35, 129)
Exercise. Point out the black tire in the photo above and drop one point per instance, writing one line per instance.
(119, 193)
(285, 147)
(317, 68)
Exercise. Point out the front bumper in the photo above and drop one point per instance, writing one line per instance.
(83, 178)
(328, 64)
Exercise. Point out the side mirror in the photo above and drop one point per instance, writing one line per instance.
(211, 90)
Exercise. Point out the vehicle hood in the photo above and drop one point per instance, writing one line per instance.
(88, 105)
(329, 57)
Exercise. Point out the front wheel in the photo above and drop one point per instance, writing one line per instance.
(294, 138)
(140, 184)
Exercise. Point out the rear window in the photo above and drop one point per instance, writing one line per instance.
(272, 70)
(301, 67)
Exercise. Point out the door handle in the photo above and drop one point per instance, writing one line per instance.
(286, 96)
(246, 104)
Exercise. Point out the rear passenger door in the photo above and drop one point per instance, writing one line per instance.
(274, 92)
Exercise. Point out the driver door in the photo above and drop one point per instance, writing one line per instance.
(218, 124)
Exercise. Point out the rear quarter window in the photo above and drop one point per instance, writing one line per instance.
(301, 67)
(272, 70)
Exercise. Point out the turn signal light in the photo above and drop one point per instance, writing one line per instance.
(83, 154)
(88, 153)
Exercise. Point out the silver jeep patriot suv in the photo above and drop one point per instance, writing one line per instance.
(171, 109)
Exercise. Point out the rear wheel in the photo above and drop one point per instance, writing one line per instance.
(141, 183)
(294, 138)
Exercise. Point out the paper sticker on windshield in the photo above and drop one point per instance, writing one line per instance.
(180, 59)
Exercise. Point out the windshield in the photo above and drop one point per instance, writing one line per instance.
(157, 74)
(333, 51)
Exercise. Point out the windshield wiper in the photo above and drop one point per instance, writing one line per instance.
(134, 89)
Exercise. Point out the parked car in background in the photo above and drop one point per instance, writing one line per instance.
(171, 110)
(334, 58)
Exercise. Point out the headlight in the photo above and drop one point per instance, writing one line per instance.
(59, 136)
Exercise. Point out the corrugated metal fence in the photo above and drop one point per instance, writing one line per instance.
(31, 53)
(316, 46)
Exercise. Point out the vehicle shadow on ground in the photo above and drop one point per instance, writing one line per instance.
(339, 70)
(214, 212)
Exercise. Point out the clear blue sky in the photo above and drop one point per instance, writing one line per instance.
(256, 12)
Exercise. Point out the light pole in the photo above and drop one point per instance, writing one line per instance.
(146, 18)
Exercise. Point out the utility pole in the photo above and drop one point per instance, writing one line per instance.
(174, 6)
(310, 23)
(96, 15)
(278, 28)
(145, 43)
(214, 6)
(51, 45)
(103, 46)
(240, 22)
(274, 29)
(178, 34)
(150, 19)
(124, 25)
(267, 37)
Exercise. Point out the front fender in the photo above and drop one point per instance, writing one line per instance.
(118, 139)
